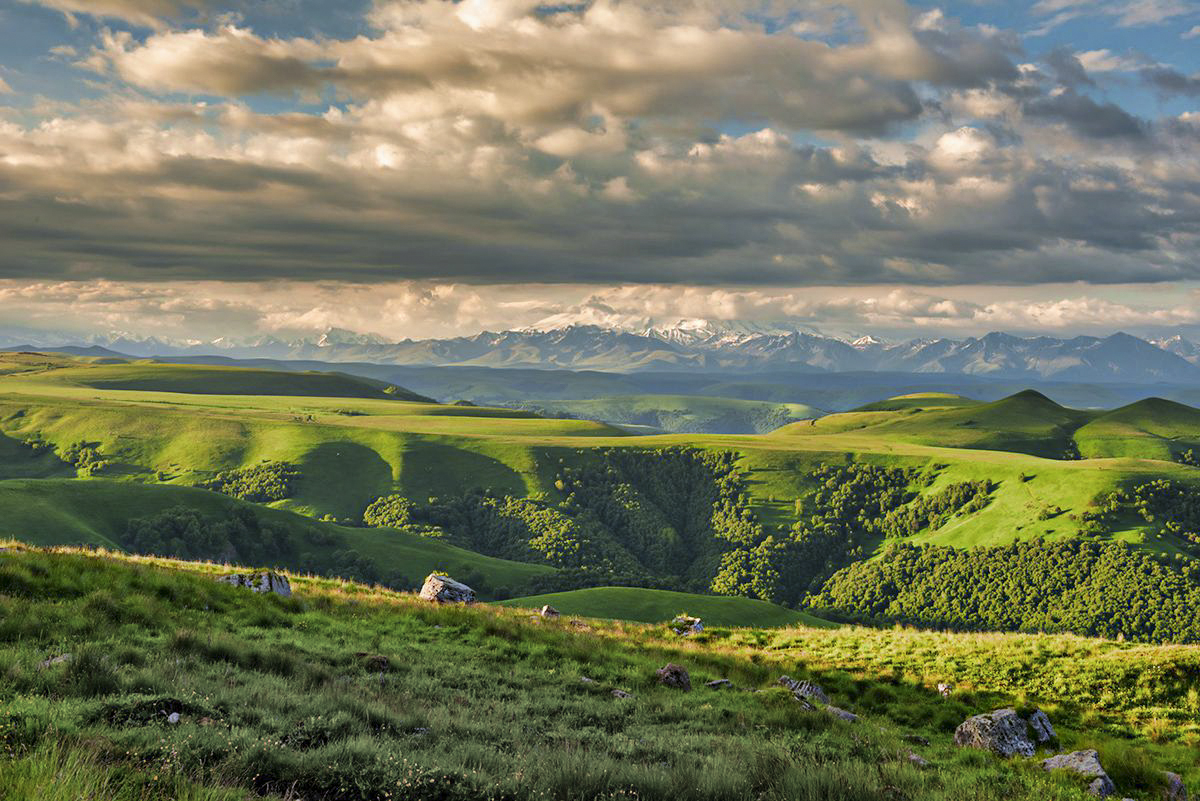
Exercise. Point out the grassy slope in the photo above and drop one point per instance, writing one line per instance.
(1149, 429)
(211, 380)
(65, 512)
(276, 696)
(656, 606)
(684, 413)
(422, 450)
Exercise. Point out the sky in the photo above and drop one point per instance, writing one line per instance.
(409, 168)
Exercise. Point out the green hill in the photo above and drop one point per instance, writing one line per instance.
(680, 414)
(1027, 422)
(1149, 429)
(207, 380)
(657, 606)
(98, 513)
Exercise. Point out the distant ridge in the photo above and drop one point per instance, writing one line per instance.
(701, 346)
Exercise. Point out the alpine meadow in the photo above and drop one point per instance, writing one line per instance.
(616, 400)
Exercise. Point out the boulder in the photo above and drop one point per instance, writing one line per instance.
(621, 694)
(675, 676)
(548, 611)
(1086, 764)
(849, 717)
(804, 690)
(54, 660)
(266, 581)
(1002, 732)
(917, 761)
(683, 625)
(1043, 732)
(445, 590)
(945, 689)
(719, 684)
(1174, 791)
(916, 739)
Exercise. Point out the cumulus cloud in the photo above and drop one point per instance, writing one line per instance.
(607, 142)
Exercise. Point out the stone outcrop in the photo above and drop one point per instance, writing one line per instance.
(548, 611)
(1174, 791)
(1086, 764)
(1004, 732)
(804, 690)
(683, 625)
(719, 684)
(849, 717)
(266, 581)
(675, 676)
(445, 590)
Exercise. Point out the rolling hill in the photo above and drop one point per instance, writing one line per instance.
(680, 414)
(98, 513)
(1149, 429)
(213, 380)
(658, 606)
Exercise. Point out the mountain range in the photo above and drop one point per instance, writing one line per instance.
(709, 347)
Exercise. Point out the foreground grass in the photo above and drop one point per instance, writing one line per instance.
(345, 692)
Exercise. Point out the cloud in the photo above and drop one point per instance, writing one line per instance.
(1170, 81)
(1126, 13)
(148, 13)
(231, 61)
(5, 89)
(1104, 60)
(1192, 33)
(1086, 116)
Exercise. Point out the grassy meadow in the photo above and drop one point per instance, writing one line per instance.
(347, 692)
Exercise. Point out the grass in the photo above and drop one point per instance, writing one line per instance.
(657, 606)
(345, 692)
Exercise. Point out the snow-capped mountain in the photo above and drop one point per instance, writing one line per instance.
(1181, 347)
(703, 345)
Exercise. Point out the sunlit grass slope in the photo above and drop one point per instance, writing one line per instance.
(344, 692)
(212, 380)
(657, 606)
(1149, 429)
(96, 512)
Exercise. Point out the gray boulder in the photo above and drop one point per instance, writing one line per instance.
(1175, 790)
(445, 590)
(1003, 732)
(719, 684)
(1040, 724)
(849, 717)
(676, 676)
(266, 581)
(548, 611)
(1086, 764)
(804, 690)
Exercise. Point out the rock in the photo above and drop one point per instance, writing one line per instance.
(804, 690)
(445, 590)
(945, 689)
(1175, 790)
(849, 717)
(675, 676)
(683, 625)
(917, 761)
(1003, 732)
(916, 739)
(173, 718)
(1040, 724)
(621, 694)
(548, 611)
(586, 680)
(266, 581)
(1086, 764)
(54, 660)
(579, 624)
(374, 663)
(719, 684)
